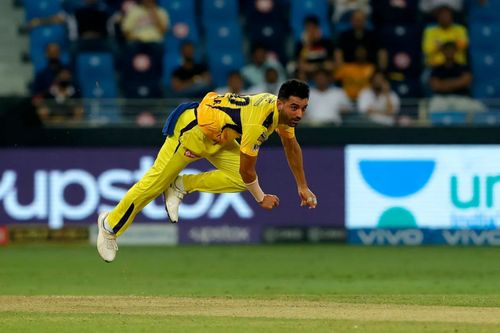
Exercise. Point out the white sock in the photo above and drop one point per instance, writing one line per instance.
(179, 184)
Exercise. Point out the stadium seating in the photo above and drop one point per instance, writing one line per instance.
(183, 24)
(219, 10)
(272, 35)
(490, 118)
(178, 7)
(143, 89)
(488, 87)
(171, 60)
(448, 118)
(404, 54)
(96, 76)
(221, 63)
(300, 9)
(485, 65)
(40, 37)
(407, 88)
(395, 12)
(484, 36)
(223, 36)
(142, 61)
(487, 12)
(41, 8)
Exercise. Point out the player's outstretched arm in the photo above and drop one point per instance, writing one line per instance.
(293, 154)
(249, 176)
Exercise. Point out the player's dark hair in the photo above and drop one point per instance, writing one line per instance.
(293, 87)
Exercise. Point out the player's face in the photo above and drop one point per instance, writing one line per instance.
(292, 110)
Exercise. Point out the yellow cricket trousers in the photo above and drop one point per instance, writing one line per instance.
(186, 145)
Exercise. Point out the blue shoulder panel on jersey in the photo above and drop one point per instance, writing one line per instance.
(168, 128)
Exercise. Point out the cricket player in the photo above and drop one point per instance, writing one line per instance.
(209, 130)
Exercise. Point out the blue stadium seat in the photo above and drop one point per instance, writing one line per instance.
(300, 9)
(407, 88)
(486, 88)
(178, 8)
(223, 36)
(485, 65)
(259, 11)
(41, 8)
(489, 118)
(404, 53)
(96, 78)
(271, 34)
(448, 118)
(395, 12)
(183, 24)
(221, 63)
(181, 30)
(484, 36)
(142, 61)
(219, 10)
(143, 89)
(171, 60)
(40, 37)
(96, 75)
(489, 12)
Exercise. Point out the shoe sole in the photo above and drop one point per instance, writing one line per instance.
(166, 209)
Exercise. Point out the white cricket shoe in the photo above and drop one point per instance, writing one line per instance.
(106, 241)
(173, 198)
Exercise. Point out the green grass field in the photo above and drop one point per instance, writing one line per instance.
(67, 288)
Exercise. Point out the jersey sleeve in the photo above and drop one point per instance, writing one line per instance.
(252, 138)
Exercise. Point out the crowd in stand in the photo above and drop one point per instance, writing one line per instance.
(353, 65)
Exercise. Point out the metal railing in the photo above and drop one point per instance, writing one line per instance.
(153, 113)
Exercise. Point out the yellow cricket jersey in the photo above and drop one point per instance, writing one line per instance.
(435, 36)
(254, 118)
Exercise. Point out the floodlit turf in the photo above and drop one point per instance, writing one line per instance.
(250, 289)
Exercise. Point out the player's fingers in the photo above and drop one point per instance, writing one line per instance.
(312, 202)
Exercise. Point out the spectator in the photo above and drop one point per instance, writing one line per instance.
(314, 51)
(120, 10)
(90, 20)
(253, 73)
(445, 31)
(45, 77)
(358, 36)
(61, 100)
(343, 7)
(450, 83)
(146, 23)
(326, 102)
(235, 84)
(90, 27)
(378, 102)
(354, 76)
(190, 79)
(270, 85)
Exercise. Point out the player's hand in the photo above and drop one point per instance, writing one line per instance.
(270, 201)
(307, 198)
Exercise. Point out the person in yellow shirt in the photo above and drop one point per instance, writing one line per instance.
(355, 76)
(145, 22)
(445, 31)
(209, 130)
